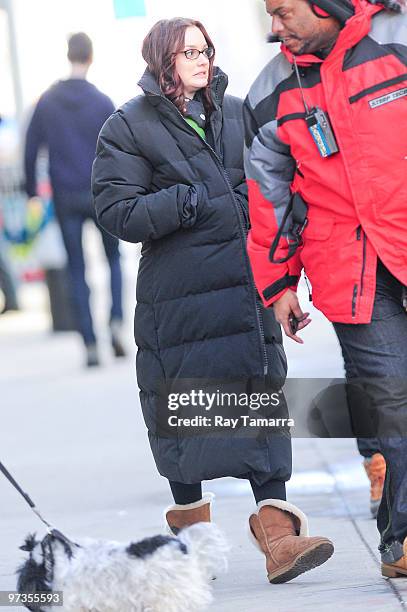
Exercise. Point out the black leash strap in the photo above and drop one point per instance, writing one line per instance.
(276, 240)
(23, 494)
(53, 532)
(299, 222)
(16, 486)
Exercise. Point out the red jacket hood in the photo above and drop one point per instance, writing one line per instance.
(354, 30)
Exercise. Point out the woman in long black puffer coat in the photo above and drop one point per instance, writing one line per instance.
(169, 174)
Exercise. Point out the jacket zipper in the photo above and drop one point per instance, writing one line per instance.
(362, 275)
(242, 233)
(354, 300)
(389, 508)
(308, 287)
(358, 237)
(362, 278)
(383, 85)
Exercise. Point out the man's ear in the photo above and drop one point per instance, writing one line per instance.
(318, 11)
(342, 10)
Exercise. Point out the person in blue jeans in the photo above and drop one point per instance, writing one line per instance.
(67, 121)
(318, 121)
(375, 356)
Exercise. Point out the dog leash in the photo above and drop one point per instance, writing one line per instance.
(51, 530)
(24, 495)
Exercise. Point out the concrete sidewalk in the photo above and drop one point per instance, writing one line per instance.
(76, 442)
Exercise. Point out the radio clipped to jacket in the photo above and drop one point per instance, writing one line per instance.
(321, 131)
(318, 125)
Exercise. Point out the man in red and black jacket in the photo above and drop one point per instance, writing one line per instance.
(327, 119)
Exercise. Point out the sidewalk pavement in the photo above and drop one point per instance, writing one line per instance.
(76, 442)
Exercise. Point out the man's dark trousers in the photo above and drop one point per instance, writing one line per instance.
(72, 210)
(367, 447)
(377, 353)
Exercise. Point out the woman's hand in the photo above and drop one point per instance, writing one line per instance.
(191, 206)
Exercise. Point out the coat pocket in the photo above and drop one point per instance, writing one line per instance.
(316, 254)
(318, 229)
(380, 99)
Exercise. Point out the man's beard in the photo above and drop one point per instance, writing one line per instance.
(319, 47)
(305, 46)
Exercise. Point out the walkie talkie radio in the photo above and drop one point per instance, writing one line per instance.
(318, 125)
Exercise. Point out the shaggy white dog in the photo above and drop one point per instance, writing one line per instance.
(171, 574)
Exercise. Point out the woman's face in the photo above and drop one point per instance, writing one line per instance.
(194, 73)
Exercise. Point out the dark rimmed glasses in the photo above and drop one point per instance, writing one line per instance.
(193, 54)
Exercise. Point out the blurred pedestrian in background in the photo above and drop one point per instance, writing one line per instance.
(8, 292)
(67, 121)
(7, 287)
(169, 173)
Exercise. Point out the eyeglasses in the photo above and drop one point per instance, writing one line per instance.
(193, 54)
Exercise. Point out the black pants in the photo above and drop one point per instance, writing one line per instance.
(368, 447)
(190, 493)
(72, 210)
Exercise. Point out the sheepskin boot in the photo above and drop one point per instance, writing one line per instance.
(397, 569)
(280, 531)
(179, 516)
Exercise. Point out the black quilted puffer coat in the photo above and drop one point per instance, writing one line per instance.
(156, 181)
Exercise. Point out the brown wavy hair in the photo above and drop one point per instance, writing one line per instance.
(165, 39)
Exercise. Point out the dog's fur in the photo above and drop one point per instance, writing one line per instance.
(158, 574)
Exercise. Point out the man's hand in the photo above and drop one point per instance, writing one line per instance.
(288, 305)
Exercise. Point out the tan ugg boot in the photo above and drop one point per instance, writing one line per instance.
(179, 516)
(398, 569)
(280, 531)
